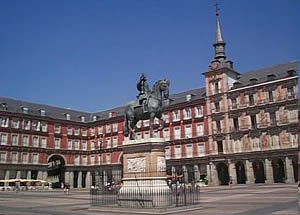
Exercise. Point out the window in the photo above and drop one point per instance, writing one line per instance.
(236, 124)
(220, 146)
(82, 119)
(76, 131)
(3, 139)
(271, 98)
(84, 160)
(166, 117)
(35, 141)
(93, 145)
(68, 117)
(15, 139)
(57, 143)
(217, 106)
(146, 123)
(69, 130)
(92, 131)
(57, 129)
(290, 92)
(199, 111)
(76, 144)
(217, 90)
(176, 116)
(15, 123)
(108, 143)
(25, 158)
(4, 122)
(177, 133)
(25, 110)
(167, 152)
(177, 152)
(166, 134)
(108, 130)
(251, 100)
(70, 144)
(201, 149)
(115, 141)
(77, 160)
(25, 140)
(108, 160)
(273, 118)
(36, 125)
(84, 132)
(187, 113)
(115, 127)
(100, 129)
(42, 112)
(234, 103)
(189, 150)
(92, 160)
(2, 157)
(199, 130)
(44, 142)
(94, 118)
(44, 126)
(188, 131)
(83, 145)
(218, 124)
(253, 121)
(146, 135)
(35, 158)
(26, 124)
(14, 157)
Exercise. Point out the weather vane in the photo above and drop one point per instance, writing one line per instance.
(217, 8)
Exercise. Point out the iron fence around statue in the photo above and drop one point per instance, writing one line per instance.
(145, 193)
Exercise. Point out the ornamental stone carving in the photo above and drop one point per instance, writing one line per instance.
(161, 164)
(136, 165)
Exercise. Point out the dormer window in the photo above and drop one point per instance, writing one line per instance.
(95, 118)
(82, 118)
(291, 72)
(271, 77)
(24, 110)
(253, 81)
(68, 117)
(237, 84)
(3, 106)
(188, 97)
(42, 112)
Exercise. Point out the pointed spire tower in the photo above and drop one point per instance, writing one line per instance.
(219, 60)
(220, 44)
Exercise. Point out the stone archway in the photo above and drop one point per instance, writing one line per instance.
(259, 172)
(223, 173)
(278, 171)
(240, 173)
(56, 170)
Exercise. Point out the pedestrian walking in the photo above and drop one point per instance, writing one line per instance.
(230, 181)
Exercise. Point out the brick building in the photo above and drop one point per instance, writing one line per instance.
(242, 125)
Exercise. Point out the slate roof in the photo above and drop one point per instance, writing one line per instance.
(279, 70)
(15, 106)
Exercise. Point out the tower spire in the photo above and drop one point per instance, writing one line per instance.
(219, 44)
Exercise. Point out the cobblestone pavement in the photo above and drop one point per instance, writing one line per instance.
(279, 199)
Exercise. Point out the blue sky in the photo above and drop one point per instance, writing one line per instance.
(87, 55)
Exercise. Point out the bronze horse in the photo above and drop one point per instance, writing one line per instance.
(134, 111)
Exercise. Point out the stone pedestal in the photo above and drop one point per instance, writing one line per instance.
(144, 170)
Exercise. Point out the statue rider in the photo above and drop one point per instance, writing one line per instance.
(144, 94)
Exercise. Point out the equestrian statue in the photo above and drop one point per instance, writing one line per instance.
(148, 105)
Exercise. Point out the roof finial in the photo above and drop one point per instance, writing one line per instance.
(217, 8)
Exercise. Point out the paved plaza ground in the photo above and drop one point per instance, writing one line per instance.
(279, 199)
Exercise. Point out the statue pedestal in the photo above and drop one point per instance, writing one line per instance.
(144, 170)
